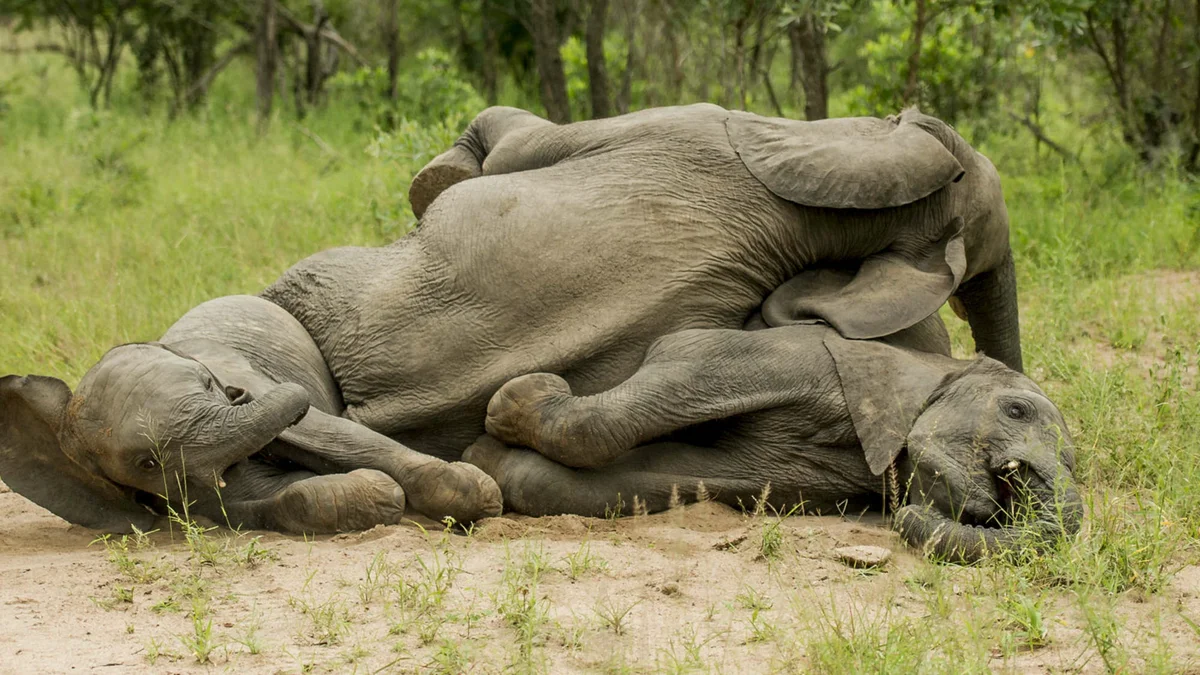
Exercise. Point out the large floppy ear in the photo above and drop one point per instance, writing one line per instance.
(889, 292)
(885, 388)
(33, 464)
(854, 163)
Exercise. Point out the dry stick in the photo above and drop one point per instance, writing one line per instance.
(334, 155)
(326, 34)
(1040, 134)
(207, 78)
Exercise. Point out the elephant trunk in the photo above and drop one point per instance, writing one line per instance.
(924, 527)
(246, 429)
(990, 301)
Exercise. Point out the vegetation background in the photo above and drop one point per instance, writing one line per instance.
(157, 153)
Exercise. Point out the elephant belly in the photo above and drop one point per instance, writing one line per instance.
(557, 270)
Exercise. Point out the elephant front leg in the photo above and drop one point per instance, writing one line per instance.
(261, 496)
(433, 487)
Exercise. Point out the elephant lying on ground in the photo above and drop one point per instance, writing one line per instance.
(806, 417)
(575, 250)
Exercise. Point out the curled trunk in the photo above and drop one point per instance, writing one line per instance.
(927, 529)
(246, 429)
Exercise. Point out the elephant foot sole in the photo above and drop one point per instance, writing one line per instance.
(518, 413)
(446, 170)
(455, 490)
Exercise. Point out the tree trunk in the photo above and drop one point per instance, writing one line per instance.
(625, 96)
(314, 75)
(597, 71)
(391, 43)
(912, 90)
(266, 63)
(676, 74)
(739, 50)
(1193, 163)
(544, 29)
(756, 52)
(491, 53)
(809, 65)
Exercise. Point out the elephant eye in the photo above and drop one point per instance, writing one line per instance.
(1018, 410)
(148, 464)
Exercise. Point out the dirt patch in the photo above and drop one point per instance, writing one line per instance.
(702, 587)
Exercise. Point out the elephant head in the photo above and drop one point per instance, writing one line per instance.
(985, 456)
(145, 419)
(922, 191)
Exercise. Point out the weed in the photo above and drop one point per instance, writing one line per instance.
(1026, 621)
(328, 620)
(450, 658)
(154, 651)
(613, 614)
(751, 599)
(249, 638)
(583, 561)
(379, 576)
(200, 642)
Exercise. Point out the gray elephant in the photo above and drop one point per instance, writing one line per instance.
(387, 357)
(806, 417)
(903, 201)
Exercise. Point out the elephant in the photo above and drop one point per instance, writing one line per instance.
(803, 418)
(536, 252)
(904, 201)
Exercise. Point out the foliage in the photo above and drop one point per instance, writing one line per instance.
(432, 90)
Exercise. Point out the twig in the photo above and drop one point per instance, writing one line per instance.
(1040, 134)
(334, 155)
(206, 79)
(327, 33)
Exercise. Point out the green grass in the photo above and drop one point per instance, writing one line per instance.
(113, 224)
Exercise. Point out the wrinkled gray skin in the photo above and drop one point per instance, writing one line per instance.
(984, 456)
(569, 250)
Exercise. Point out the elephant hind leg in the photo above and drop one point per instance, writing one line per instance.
(655, 476)
(465, 159)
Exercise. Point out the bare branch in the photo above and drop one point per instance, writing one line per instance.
(1040, 134)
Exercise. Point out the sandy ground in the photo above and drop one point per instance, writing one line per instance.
(694, 588)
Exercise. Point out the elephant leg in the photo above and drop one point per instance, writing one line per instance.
(433, 487)
(465, 159)
(264, 497)
(687, 378)
(657, 477)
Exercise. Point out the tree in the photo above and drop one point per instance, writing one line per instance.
(543, 27)
(810, 66)
(265, 71)
(597, 71)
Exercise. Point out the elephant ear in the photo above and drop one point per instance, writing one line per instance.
(855, 163)
(890, 291)
(885, 388)
(33, 464)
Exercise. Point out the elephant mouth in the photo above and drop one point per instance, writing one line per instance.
(1025, 513)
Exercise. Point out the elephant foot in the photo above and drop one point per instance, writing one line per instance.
(519, 413)
(454, 489)
(489, 455)
(449, 168)
(341, 502)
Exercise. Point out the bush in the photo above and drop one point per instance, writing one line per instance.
(432, 92)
